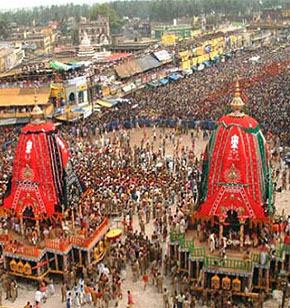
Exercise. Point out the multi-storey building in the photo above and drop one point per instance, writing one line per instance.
(98, 31)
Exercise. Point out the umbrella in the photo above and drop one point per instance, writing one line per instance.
(113, 234)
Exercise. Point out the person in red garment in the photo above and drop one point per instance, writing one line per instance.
(130, 300)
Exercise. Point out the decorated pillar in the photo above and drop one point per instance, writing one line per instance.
(89, 257)
(80, 209)
(242, 230)
(267, 280)
(283, 264)
(203, 280)
(56, 262)
(37, 226)
(179, 257)
(186, 260)
(65, 263)
(190, 269)
(5, 264)
(276, 266)
(221, 230)
(212, 221)
(21, 225)
(260, 277)
(73, 218)
(197, 269)
(80, 257)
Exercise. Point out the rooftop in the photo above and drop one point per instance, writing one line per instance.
(23, 97)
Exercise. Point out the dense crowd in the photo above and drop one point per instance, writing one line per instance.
(124, 179)
(205, 95)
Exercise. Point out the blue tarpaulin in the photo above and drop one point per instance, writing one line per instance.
(75, 65)
(160, 122)
(175, 76)
(207, 63)
(215, 59)
(164, 81)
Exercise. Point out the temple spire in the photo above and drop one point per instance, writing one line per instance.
(237, 103)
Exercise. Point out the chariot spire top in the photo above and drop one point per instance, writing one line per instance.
(237, 103)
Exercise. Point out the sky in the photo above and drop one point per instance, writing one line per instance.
(18, 4)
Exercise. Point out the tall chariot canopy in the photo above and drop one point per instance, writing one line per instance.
(236, 168)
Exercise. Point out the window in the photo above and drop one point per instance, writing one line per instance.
(81, 97)
(71, 97)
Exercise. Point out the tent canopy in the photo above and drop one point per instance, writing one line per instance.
(136, 66)
(116, 57)
(162, 55)
(128, 69)
(56, 65)
(147, 63)
(104, 103)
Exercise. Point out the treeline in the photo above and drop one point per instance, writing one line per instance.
(155, 10)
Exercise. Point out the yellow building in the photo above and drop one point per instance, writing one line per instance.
(17, 103)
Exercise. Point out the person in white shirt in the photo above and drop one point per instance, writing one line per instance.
(212, 242)
(38, 296)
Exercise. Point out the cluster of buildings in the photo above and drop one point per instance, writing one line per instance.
(25, 43)
(40, 65)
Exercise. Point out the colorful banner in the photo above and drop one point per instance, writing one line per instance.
(185, 65)
(203, 58)
(194, 61)
(184, 55)
(168, 39)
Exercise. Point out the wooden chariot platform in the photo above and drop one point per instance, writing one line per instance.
(246, 277)
(54, 256)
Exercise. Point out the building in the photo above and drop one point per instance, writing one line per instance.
(135, 28)
(120, 44)
(98, 31)
(180, 31)
(9, 58)
(16, 104)
(40, 40)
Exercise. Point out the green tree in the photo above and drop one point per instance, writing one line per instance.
(3, 28)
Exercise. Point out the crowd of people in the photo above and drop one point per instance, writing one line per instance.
(205, 95)
(124, 179)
